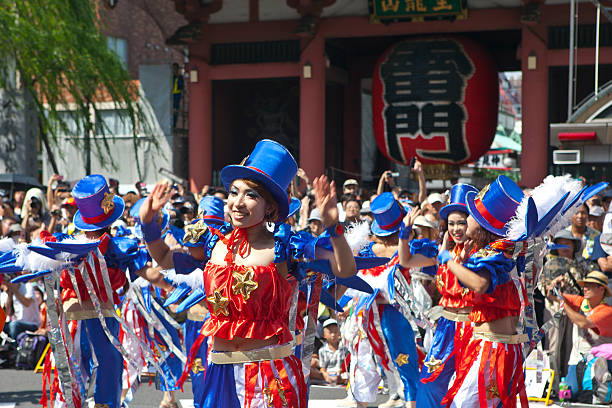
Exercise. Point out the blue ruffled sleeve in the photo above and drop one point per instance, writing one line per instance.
(495, 263)
(424, 247)
(302, 244)
(124, 253)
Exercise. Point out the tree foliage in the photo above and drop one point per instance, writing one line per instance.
(61, 58)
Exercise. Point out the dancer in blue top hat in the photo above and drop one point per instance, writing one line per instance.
(98, 208)
(89, 292)
(453, 328)
(389, 333)
(253, 314)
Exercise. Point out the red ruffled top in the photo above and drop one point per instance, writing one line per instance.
(116, 277)
(250, 302)
(504, 301)
(453, 294)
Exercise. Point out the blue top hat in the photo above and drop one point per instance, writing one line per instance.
(495, 204)
(97, 206)
(270, 164)
(212, 211)
(294, 206)
(457, 199)
(388, 215)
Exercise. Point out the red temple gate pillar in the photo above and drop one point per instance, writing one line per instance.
(534, 106)
(200, 127)
(312, 108)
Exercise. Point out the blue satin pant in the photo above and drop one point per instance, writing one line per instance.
(431, 393)
(192, 330)
(110, 361)
(402, 347)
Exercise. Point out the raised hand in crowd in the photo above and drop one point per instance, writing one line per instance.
(341, 259)
(50, 190)
(326, 200)
(411, 216)
(158, 198)
(418, 169)
(385, 179)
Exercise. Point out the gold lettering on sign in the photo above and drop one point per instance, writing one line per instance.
(390, 5)
(415, 5)
(442, 5)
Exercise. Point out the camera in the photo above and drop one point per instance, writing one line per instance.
(395, 174)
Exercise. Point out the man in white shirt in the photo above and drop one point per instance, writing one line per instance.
(25, 309)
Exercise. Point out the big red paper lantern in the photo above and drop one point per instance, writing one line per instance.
(435, 98)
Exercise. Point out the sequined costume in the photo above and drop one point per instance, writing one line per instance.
(453, 332)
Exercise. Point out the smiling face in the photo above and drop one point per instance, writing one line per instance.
(457, 226)
(246, 206)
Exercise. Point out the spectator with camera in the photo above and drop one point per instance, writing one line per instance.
(568, 265)
(25, 311)
(591, 317)
(34, 216)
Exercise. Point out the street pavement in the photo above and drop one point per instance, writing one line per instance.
(23, 389)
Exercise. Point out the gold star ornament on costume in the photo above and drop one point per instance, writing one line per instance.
(433, 364)
(193, 232)
(107, 203)
(197, 366)
(401, 359)
(219, 303)
(244, 283)
(492, 391)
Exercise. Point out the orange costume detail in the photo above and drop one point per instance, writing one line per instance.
(453, 294)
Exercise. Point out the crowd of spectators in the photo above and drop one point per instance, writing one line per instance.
(580, 262)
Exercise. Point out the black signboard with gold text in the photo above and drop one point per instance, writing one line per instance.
(416, 10)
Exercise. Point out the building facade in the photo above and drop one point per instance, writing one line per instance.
(300, 71)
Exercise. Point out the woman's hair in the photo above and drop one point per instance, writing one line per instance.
(267, 196)
(388, 239)
(484, 237)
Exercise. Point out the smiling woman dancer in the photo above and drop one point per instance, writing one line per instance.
(453, 329)
(490, 372)
(251, 363)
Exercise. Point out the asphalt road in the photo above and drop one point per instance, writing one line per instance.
(23, 388)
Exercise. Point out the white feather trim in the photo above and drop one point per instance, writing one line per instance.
(358, 236)
(194, 280)
(34, 262)
(7, 245)
(545, 196)
(141, 283)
